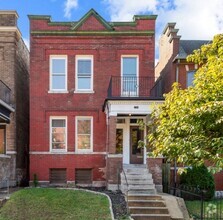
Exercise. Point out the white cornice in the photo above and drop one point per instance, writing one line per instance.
(9, 12)
(11, 29)
(143, 107)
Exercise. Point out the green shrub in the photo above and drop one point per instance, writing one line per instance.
(201, 178)
(35, 180)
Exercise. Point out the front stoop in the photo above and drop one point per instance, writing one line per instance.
(143, 202)
(145, 206)
(139, 180)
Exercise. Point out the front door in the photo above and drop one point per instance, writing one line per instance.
(136, 153)
(2, 139)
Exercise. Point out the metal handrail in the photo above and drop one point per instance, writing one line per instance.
(127, 184)
(130, 86)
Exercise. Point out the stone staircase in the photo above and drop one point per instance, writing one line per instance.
(143, 201)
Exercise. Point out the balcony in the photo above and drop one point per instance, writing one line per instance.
(5, 101)
(5, 93)
(129, 87)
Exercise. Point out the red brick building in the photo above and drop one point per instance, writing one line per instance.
(14, 102)
(90, 83)
(173, 67)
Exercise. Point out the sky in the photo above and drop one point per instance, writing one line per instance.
(195, 19)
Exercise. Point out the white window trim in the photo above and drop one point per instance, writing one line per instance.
(84, 57)
(51, 119)
(137, 70)
(51, 85)
(76, 135)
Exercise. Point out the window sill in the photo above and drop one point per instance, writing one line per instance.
(84, 152)
(65, 91)
(84, 91)
(4, 156)
(58, 152)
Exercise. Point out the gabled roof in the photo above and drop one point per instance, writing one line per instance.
(187, 47)
(90, 13)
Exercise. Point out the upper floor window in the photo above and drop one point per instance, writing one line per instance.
(190, 78)
(84, 73)
(58, 133)
(58, 73)
(84, 131)
(2, 139)
(129, 73)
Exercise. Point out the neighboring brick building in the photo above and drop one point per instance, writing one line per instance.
(173, 67)
(90, 82)
(14, 100)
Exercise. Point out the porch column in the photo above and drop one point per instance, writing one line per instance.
(114, 163)
(112, 134)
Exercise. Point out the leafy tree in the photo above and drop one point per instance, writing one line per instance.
(188, 126)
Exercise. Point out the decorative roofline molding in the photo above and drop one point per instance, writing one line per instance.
(92, 33)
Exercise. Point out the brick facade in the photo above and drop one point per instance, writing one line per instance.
(14, 72)
(106, 42)
(173, 67)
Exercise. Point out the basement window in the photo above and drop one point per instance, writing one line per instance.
(83, 176)
(58, 176)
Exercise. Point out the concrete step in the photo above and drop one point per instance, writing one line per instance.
(139, 182)
(151, 216)
(141, 187)
(148, 210)
(141, 191)
(126, 166)
(136, 170)
(143, 197)
(137, 176)
(146, 203)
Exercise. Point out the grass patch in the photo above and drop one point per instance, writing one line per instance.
(53, 204)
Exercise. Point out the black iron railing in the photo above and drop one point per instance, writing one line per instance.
(5, 92)
(198, 206)
(130, 86)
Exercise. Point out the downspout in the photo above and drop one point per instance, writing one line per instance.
(177, 70)
(107, 143)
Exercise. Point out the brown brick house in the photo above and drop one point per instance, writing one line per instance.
(173, 67)
(90, 83)
(14, 100)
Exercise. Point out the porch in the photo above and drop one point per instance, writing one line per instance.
(5, 103)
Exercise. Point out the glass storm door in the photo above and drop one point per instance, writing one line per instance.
(136, 154)
(129, 76)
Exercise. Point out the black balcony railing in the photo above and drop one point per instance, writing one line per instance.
(131, 87)
(5, 93)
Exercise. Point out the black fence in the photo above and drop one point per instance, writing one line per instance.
(198, 206)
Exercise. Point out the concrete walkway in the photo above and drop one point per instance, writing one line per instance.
(176, 206)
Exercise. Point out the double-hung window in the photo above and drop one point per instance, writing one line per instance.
(58, 73)
(58, 134)
(84, 131)
(190, 78)
(84, 73)
(2, 139)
